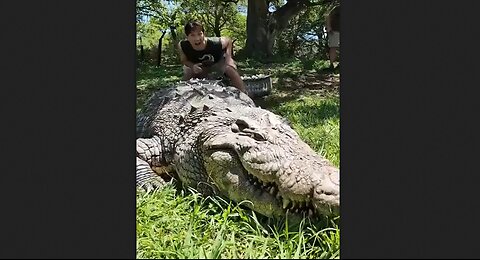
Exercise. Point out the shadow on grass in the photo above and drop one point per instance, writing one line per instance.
(147, 72)
(287, 89)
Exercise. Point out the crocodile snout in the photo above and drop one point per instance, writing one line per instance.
(327, 192)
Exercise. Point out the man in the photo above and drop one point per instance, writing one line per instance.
(333, 29)
(201, 56)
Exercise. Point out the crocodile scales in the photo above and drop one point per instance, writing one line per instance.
(213, 138)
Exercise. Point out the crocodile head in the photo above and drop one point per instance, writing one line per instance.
(256, 156)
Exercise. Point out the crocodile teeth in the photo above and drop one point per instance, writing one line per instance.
(285, 202)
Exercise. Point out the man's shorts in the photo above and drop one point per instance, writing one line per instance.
(334, 39)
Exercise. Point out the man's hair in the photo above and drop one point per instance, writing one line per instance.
(192, 26)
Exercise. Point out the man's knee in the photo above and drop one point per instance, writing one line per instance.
(229, 62)
(231, 71)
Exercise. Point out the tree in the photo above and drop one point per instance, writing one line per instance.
(159, 59)
(218, 17)
(236, 30)
(159, 14)
(266, 18)
(215, 15)
(305, 34)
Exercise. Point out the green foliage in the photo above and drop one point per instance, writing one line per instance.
(319, 65)
(236, 31)
(156, 16)
(304, 36)
(153, 18)
(216, 15)
(148, 34)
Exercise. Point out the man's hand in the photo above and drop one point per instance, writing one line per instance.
(196, 68)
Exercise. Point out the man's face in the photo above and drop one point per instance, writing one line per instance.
(196, 38)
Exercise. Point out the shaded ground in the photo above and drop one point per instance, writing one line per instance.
(293, 85)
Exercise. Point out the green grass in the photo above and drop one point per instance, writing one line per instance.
(182, 224)
(174, 223)
(317, 122)
(150, 78)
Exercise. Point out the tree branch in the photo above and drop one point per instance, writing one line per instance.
(224, 22)
(205, 17)
(225, 2)
(310, 4)
(283, 14)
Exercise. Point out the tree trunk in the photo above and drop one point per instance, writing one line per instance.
(142, 53)
(175, 40)
(160, 48)
(258, 40)
(216, 30)
(173, 32)
(216, 27)
(262, 26)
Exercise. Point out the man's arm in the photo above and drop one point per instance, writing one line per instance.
(183, 58)
(227, 45)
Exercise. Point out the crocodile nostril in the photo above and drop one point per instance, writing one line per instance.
(259, 137)
(242, 123)
(334, 175)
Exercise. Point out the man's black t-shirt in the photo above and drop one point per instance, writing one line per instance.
(211, 54)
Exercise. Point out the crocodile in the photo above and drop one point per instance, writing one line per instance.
(211, 137)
